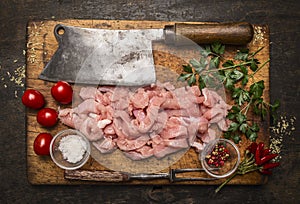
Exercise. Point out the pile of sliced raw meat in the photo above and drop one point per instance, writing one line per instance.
(155, 120)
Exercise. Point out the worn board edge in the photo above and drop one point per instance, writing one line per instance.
(261, 36)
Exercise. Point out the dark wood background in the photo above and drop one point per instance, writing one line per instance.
(283, 18)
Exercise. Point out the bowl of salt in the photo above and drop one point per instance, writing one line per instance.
(70, 149)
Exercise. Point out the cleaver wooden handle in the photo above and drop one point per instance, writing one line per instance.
(89, 175)
(205, 33)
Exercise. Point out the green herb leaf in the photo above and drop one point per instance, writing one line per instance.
(195, 63)
(184, 77)
(208, 80)
(256, 89)
(192, 80)
(202, 65)
(244, 69)
(240, 95)
(257, 106)
(254, 127)
(218, 48)
(228, 80)
(231, 116)
(222, 50)
(205, 52)
(187, 68)
(242, 54)
(235, 109)
(201, 83)
(236, 75)
(243, 127)
(233, 127)
(240, 118)
(260, 107)
(214, 62)
(252, 136)
(254, 64)
(227, 135)
(275, 106)
(236, 138)
(245, 80)
(228, 63)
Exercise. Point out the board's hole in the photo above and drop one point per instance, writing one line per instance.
(60, 31)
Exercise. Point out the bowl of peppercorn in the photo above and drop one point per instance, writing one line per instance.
(220, 158)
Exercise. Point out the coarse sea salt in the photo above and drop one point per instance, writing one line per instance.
(72, 147)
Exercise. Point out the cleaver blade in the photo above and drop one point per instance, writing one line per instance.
(100, 56)
(124, 57)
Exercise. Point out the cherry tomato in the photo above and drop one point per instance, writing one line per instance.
(47, 117)
(62, 92)
(33, 99)
(41, 145)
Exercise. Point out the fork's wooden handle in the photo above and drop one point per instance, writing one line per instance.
(89, 175)
(205, 33)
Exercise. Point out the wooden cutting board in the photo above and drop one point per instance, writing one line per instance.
(41, 45)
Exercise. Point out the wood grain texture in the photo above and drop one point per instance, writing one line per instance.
(239, 33)
(41, 47)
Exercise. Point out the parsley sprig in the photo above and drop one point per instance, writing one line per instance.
(212, 70)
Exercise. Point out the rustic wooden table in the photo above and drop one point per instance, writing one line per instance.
(283, 19)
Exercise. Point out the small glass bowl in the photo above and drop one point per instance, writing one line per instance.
(57, 155)
(230, 165)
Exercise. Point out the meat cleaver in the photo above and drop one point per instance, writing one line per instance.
(124, 57)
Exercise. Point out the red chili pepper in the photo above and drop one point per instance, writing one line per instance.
(257, 155)
(267, 172)
(266, 152)
(252, 147)
(266, 158)
(270, 165)
(261, 147)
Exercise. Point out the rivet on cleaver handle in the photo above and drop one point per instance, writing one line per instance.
(239, 33)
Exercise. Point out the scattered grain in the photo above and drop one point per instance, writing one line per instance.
(259, 35)
(19, 76)
(32, 47)
(283, 128)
